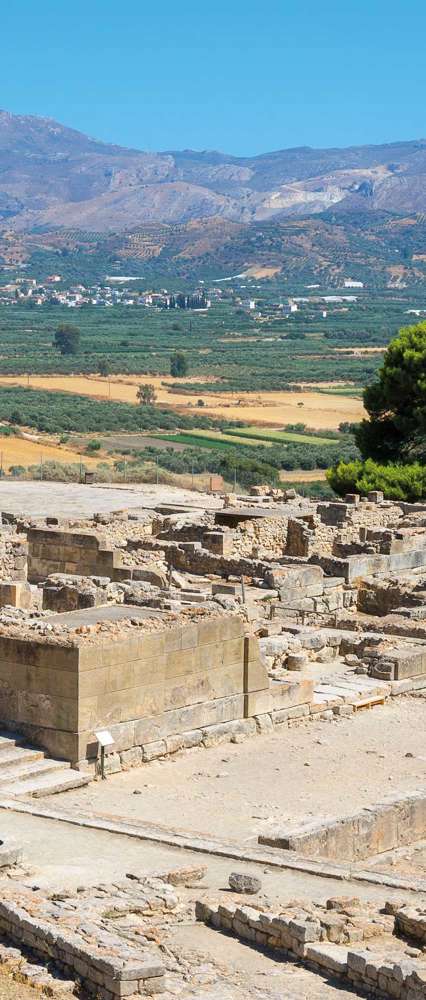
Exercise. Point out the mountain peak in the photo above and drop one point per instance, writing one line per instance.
(54, 175)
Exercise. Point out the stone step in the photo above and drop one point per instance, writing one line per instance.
(48, 784)
(9, 740)
(9, 756)
(29, 769)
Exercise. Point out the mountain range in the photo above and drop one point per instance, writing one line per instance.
(53, 176)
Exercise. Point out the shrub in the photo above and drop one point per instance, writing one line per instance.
(397, 482)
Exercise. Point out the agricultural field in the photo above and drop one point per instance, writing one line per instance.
(241, 349)
(271, 436)
(263, 397)
(317, 410)
(19, 451)
(212, 439)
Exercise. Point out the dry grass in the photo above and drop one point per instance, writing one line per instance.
(274, 409)
(302, 476)
(257, 271)
(19, 451)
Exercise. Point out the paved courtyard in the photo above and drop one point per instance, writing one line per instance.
(38, 499)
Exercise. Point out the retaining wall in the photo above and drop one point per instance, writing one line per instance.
(94, 965)
(385, 827)
(318, 940)
(78, 553)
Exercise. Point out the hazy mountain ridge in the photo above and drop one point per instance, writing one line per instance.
(51, 175)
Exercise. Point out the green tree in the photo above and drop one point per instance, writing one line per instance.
(178, 364)
(146, 395)
(396, 402)
(67, 338)
(104, 367)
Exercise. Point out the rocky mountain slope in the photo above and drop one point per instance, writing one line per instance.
(54, 176)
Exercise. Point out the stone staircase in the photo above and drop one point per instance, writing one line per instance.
(28, 772)
(349, 690)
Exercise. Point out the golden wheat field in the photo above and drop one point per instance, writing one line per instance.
(318, 410)
(20, 451)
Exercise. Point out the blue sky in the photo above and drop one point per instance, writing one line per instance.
(243, 77)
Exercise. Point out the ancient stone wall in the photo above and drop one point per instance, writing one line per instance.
(337, 529)
(80, 553)
(336, 940)
(13, 556)
(384, 827)
(262, 537)
(105, 965)
(145, 687)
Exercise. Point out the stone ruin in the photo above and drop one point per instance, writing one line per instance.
(177, 627)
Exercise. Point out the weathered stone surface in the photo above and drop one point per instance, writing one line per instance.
(245, 884)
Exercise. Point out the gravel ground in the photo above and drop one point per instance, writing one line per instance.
(11, 990)
(222, 968)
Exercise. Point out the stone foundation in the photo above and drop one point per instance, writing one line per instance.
(392, 824)
(329, 940)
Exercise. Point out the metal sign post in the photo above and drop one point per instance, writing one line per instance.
(104, 739)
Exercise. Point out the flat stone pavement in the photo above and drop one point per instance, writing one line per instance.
(62, 856)
(274, 781)
(38, 499)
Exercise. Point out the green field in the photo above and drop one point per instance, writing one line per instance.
(196, 439)
(341, 390)
(274, 437)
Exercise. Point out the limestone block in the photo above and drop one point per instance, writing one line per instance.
(193, 738)
(112, 763)
(222, 733)
(93, 683)
(47, 710)
(182, 662)
(328, 956)
(264, 724)
(257, 703)
(296, 661)
(151, 751)
(245, 884)
(174, 743)
(291, 693)
(255, 676)
(131, 758)
(287, 714)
